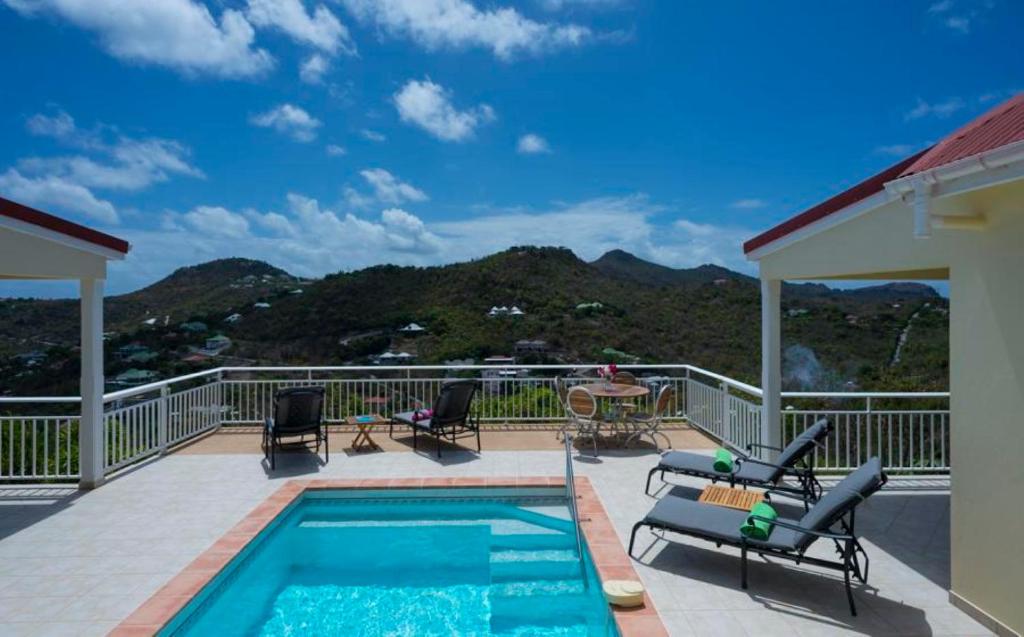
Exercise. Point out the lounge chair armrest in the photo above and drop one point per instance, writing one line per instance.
(803, 529)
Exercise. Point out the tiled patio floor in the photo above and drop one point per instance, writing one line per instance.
(76, 564)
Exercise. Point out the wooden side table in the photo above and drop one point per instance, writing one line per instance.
(365, 424)
(730, 497)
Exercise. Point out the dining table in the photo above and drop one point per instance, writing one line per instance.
(617, 392)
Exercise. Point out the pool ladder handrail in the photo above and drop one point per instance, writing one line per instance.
(570, 494)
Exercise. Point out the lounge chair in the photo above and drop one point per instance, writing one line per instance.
(450, 417)
(750, 471)
(789, 538)
(298, 411)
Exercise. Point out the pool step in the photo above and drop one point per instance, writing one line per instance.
(534, 570)
(534, 555)
(510, 613)
(532, 541)
(537, 588)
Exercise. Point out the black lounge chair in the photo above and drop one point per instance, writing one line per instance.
(298, 411)
(450, 417)
(795, 461)
(789, 538)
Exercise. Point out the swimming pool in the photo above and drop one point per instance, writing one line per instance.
(455, 561)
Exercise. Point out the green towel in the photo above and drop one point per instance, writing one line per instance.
(723, 461)
(759, 529)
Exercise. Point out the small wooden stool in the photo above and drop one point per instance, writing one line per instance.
(730, 497)
(365, 424)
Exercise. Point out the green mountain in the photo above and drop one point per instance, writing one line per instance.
(708, 316)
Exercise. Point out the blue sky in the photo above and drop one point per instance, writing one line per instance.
(327, 137)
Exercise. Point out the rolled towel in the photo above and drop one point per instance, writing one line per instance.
(723, 461)
(425, 414)
(759, 529)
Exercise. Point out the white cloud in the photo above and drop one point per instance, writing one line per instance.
(113, 162)
(289, 120)
(940, 7)
(47, 191)
(313, 69)
(558, 5)
(217, 222)
(373, 135)
(59, 126)
(428, 106)
(389, 189)
(320, 29)
(895, 150)
(749, 204)
(436, 24)
(335, 151)
(941, 109)
(531, 144)
(178, 34)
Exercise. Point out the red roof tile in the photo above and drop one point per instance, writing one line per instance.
(35, 217)
(1002, 125)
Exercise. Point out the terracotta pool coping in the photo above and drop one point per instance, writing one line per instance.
(609, 556)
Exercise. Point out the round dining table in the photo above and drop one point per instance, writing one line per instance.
(616, 390)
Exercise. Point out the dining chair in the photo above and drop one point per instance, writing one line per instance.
(649, 425)
(583, 411)
(562, 391)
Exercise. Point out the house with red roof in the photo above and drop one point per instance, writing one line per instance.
(37, 245)
(952, 212)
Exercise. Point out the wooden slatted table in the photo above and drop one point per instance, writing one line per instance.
(365, 424)
(730, 497)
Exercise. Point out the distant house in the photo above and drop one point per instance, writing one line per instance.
(797, 311)
(515, 311)
(388, 358)
(500, 360)
(217, 344)
(295, 291)
(131, 349)
(496, 311)
(413, 328)
(196, 357)
(141, 357)
(195, 327)
(134, 377)
(31, 359)
(527, 346)
(594, 305)
(261, 305)
(150, 321)
(234, 318)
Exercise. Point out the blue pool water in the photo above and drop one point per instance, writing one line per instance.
(417, 563)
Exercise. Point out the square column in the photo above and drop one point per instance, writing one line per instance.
(771, 364)
(90, 427)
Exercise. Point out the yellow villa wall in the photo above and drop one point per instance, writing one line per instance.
(986, 280)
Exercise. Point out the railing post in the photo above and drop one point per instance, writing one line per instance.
(161, 419)
(220, 399)
(686, 395)
(868, 426)
(726, 416)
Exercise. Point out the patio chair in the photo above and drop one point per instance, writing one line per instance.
(583, 414)
(649, 425)
(750, 471)
(298, 411)
(450, 418)
(789, 538)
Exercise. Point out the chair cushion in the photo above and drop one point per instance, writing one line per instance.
(840, 499)
(406, 418)
(689, 462)
(802, 444)
(690, 517)
(755, 472)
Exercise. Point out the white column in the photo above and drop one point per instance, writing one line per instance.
(90, 428)
(771, 363)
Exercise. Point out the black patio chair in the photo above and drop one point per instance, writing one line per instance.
(790, 538)
(450, 418)
(795, 461)
(298, 412)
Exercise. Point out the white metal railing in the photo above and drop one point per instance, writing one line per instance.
(910, 431)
